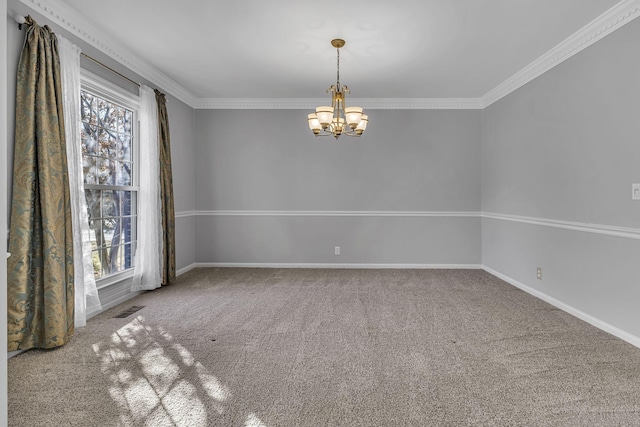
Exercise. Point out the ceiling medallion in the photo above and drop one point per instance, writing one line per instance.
(338, 119)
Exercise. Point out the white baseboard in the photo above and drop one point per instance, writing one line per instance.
(11, 354)
(181, 271)
(331, 265)
(613, 330)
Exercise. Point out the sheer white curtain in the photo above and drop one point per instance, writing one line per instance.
(86, 293)
(148, 258)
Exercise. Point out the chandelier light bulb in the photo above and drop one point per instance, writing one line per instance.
(353, 116)
(325, 115)
(314, 124)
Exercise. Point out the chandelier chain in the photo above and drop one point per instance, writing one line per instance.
(338, 72)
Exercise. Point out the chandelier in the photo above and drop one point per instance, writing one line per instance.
(338, 119)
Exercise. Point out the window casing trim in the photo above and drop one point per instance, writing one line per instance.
(103, 88)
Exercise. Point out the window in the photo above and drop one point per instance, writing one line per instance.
(109, 169)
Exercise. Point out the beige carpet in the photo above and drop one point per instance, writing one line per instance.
(262, 347)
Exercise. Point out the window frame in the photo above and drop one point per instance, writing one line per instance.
(103, 88)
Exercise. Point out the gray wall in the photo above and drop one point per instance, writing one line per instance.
(417, 160)
(566, 147)
(181, 127)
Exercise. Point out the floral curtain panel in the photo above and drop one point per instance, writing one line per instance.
(166, 193)
(40, 270)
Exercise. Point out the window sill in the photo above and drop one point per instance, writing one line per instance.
(114, 290)
(116, 278)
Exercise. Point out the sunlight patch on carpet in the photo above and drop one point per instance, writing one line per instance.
(156, 380)
(254, 421)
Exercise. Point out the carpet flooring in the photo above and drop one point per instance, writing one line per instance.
(304, 347)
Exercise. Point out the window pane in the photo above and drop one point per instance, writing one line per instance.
(89, 170)
(89, 139)
(113, 145)
(127, 203)
(106, 114)
(128, 119)
(106, 130)
(107, 144)
(111, 119)
(94, 232)
(110, 203)
(88, 107)
(124, 120)
(108, 230)
(127, 256)
(104, 261)
(102, 111)
(116, 239)
(124, 147)
(126, 229)
(103, 141)
(97, 264)
(120, 119)
(118, 252)
(106, 171)
(113, 254)
(93, 203)
(124, 173)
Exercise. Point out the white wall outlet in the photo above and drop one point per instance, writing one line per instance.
(337, 250)
(635, 191)
(539, 273)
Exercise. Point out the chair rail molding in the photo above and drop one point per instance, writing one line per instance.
(607, 230)
(335, 213)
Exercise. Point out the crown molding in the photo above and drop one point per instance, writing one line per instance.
(258, 103)
(614, 18)
(312, 103)
(69, 19)
(88, 31)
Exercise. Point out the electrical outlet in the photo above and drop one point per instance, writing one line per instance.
(539, 273)
(337, 250)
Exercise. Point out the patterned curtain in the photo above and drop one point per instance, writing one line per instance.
(40, 269)
(166, 193)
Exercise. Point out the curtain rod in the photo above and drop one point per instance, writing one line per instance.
(109, 68)
(22, 20)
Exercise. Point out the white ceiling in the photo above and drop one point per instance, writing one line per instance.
(395, 49)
